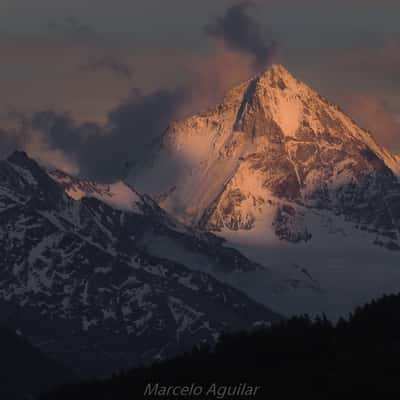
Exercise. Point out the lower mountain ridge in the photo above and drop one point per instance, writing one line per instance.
(79, 281)
(301, 357)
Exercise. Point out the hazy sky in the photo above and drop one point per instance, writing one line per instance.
(85, 57)
(134, 15)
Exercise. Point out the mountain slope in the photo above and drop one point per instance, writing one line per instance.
(78, 280)
(24, 370)
(288, 179)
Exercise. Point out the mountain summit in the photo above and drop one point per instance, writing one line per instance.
(270, 152)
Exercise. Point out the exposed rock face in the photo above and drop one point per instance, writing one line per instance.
(273, 141)
(289, 225)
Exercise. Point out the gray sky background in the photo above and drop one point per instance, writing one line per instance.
(84, 57)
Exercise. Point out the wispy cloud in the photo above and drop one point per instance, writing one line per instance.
(111, 63)
(71, 27)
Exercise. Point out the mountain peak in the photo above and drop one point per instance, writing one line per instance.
(277, 70)
(273, 139)
(18, 156)
(274, 77)
(277, 76)
(21, 160)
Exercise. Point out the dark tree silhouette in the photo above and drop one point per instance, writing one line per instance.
(358, 356)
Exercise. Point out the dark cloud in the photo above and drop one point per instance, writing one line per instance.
(132, 127)
(18, 134)
(109, 63)
(104, 152)
(242, 32)
(73, 29)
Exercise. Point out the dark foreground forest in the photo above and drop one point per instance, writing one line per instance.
(25, 369)
(300, 357)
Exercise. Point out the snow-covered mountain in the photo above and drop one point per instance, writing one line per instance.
(272, 147)
(291, 181)
(82, 280)
(117, 195)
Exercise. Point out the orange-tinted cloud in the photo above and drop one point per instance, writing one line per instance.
(364, 81)
(210, 76)
(374, 114)
(377, 106)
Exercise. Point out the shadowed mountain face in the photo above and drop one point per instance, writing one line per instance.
(25, 370)
(268, 154)
(80, 280)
